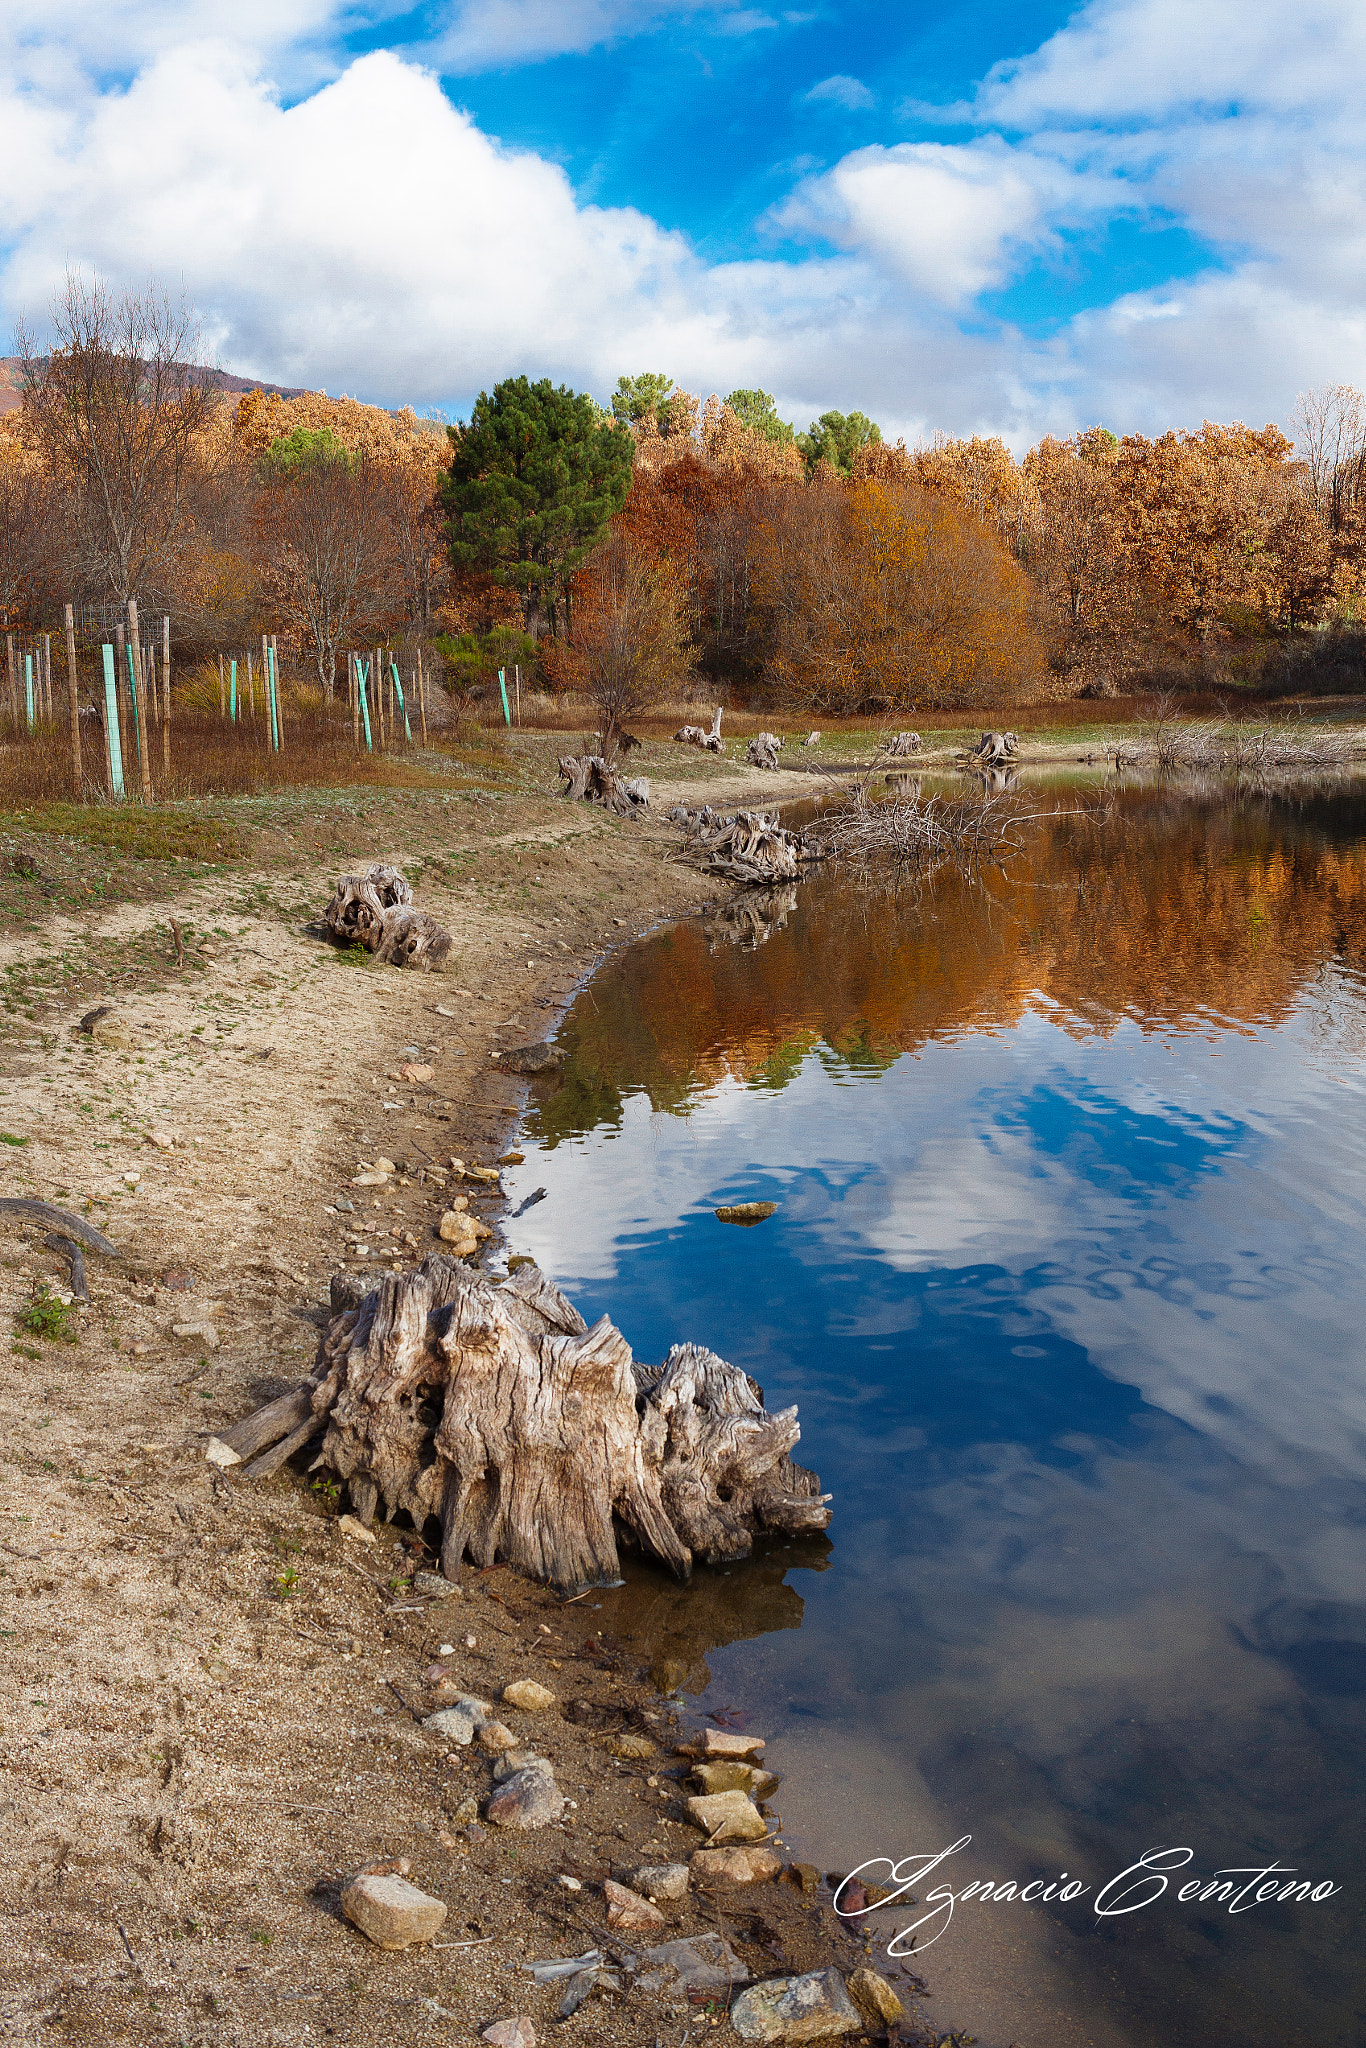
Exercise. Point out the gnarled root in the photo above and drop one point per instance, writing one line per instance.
(498, 1410)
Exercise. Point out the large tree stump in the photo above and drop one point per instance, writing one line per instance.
(593, 780)
(355, 916)
(532, 1437)
(698, 736)
(994, 748)
(412, 938)
(899, 743)
(762, 751)
(748, 846)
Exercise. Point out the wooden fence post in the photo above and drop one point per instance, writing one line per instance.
(74, 697)
(140, 701)
(166, 692)
(221, 703)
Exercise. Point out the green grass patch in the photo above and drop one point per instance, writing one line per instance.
(131, 830)
(47, 1317)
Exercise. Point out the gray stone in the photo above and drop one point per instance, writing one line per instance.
(432, 1586)
(518, 1760)
(661, 1880)
(198, 1333)
(452, 1724)
(705, 1962)
(394, 1913)
(815, 2007)
(528, 1799)
(727, 1817)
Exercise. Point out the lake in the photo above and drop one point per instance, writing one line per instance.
(1065, 1277)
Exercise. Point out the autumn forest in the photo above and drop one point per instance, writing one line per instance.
(665, 538)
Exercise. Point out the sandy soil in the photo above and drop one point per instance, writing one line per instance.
(211, 1695)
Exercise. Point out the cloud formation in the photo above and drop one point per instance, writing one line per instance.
(849, 94)
(341, 222)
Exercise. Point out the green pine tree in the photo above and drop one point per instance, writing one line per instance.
(536, 477)
(836, 438)
(757, 411)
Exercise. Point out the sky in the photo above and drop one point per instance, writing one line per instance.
(965, 218)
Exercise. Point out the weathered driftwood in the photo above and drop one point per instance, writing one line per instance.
(412, 938)
(812, 739)
(533, 1438)
(59, 1219)
(899, 743)
(591, 779)
(355, 916)
(763, 749)
(994, 747)
(72, 1252)
(748, 846)
(698, 735)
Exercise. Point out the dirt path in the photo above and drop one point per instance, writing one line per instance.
(211, 1696)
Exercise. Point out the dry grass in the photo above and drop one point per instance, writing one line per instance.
(211, 757)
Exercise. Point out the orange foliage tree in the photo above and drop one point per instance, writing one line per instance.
(883, 597)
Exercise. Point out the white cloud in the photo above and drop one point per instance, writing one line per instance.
(485, 34)
(951, 221)
(369, 236)
(851, 94)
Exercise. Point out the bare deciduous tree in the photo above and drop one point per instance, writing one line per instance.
(116, 410)
(323, 545)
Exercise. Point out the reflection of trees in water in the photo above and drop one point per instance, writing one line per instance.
(675, 1628)
(750, 918)
(1174, 911)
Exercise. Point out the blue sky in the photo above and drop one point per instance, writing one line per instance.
(964, 218)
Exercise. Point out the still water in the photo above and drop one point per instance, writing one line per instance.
(1065, 1278)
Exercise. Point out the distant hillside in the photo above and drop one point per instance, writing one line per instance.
(9, 384)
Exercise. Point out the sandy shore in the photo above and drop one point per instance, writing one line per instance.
(211, 1695)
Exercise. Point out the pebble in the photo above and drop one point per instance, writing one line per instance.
(571, 1884)
(728, 1777)
(454, 1228)
(112, 1033)
(467, 1810)
(748, 1865)
(495, 1737)
(875, 1997)
(409, 1072)
(663, 1880)
(627, 1909)
(161, 1138)
(531, 1799)
(202, 1333)
(716, 1742)
(432, 1586)
(369, 1180)
(394, 1913)
(529, 1696)
(635, 1748)
(804, 1874)
(518, 1760)
(347, 1525)
(815, 2007)
(727, 1817)
(518, 2033)
(221, 1454)
(452, 1724)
